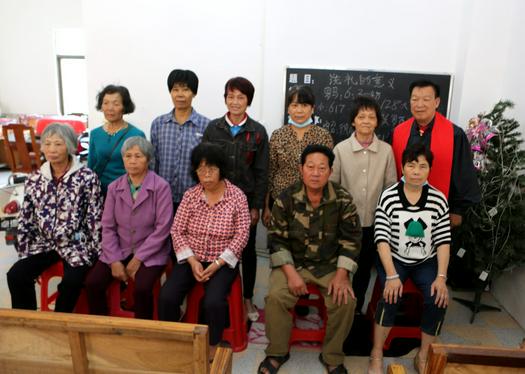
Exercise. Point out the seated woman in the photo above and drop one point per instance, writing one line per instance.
(412, 233)
(59, 221)
(135, 230)
(209, 232)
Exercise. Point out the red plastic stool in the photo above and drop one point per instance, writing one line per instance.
(410, 311)
(303, 335)
(236, 334)
(115, 296)
(46, 299)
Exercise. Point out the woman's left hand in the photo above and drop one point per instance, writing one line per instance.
(210, 270)
(132, 267)
(439, 288)
(254, 216)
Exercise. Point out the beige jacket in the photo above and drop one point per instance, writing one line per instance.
(364, 172)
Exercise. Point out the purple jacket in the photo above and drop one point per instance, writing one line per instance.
(142, 226)
(62, 217)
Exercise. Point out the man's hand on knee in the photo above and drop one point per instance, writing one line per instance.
(340, 288)
(296, 283)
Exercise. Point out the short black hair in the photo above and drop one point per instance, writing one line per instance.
(129, 106)
(187, 77)
(303, 94)
(412, 152)
(365, 102)
(241, 84)
(318, 148)
(424, 83)
(210, 153)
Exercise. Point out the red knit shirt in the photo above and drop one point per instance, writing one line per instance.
(208, 232)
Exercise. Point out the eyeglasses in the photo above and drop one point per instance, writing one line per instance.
(203, 170)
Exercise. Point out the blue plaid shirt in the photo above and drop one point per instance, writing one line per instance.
(173, 144)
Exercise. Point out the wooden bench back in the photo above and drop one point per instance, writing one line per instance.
(452, 358)
(51, 342)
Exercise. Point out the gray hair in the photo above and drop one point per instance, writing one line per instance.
(63, 131)
(145, 146)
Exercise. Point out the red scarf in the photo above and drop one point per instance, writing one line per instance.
(441, 145)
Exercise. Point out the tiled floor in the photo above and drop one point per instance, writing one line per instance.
(489, 328)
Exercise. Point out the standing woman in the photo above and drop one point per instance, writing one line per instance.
(59, 221)
(244, 142)
(105, 141)
(364, 166)
(288, 142)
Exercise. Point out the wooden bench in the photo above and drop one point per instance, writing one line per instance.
(49, 342)
(468, 359)
(453, 358)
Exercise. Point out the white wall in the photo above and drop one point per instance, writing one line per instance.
(137, 43)
(509, 290)
(256, 39)
(356, 35)
(491, 50)
(28, 77)
(138, 49)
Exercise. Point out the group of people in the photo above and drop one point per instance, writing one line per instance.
(331, 213)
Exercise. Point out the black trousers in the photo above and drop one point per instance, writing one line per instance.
(249, 265)
(214, 305)
(22, 276)
(367, 258)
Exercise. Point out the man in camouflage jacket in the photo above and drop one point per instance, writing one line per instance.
(314, 237)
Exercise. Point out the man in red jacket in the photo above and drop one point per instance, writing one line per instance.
(452, 172)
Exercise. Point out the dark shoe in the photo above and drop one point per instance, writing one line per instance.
(267, 364)
(339, 369)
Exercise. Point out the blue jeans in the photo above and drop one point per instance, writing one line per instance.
(423, 275)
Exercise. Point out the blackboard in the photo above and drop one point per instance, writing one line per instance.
(335, 89)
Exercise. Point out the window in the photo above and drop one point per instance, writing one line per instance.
(71, 71)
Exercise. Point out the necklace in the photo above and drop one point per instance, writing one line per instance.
(112, 131)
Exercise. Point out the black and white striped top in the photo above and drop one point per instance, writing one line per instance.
(394, 214)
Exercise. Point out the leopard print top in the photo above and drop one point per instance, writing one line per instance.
(285, 155)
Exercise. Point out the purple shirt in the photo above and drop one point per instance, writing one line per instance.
(139, 227)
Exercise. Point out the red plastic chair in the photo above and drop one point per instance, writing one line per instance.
(115, 297)
(236, 334)
(304, 335)
(76, 123)
(47, 299)
(409, 313)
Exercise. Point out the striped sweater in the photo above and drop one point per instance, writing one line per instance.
(412, 231)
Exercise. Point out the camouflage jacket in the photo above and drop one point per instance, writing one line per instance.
(319, 240)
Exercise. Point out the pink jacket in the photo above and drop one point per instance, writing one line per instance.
(142, 226)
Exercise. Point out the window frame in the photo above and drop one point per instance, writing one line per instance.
(59, 59)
